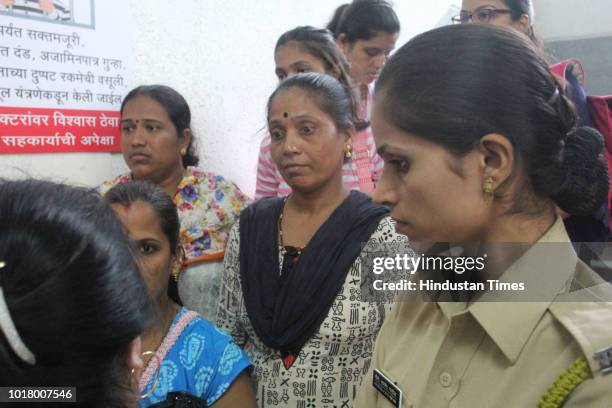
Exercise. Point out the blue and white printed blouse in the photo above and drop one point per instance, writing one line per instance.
(197, 358)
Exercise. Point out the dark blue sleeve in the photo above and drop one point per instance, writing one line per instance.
(229, 362)
(578, 96)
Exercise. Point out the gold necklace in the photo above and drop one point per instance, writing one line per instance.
(175, 309)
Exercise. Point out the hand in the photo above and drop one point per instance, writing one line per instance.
(46, 6)
(7, 3)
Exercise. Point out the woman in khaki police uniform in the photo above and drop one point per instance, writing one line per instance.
(480, 145)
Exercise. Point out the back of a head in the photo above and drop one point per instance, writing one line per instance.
(455, 84)
(72, 290)
(363, 20)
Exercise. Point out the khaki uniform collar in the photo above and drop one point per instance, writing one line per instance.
(504, 317)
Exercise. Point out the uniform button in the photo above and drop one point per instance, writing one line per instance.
(446, 379)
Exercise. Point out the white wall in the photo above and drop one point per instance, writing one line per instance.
(579, 29)
(218, 54)
(571, 19)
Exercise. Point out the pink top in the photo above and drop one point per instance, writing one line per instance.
(360, 173)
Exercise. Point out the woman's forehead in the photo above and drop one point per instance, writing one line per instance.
(472, 5)
(143, 107)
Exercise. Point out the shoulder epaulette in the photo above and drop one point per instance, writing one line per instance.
(586, 314)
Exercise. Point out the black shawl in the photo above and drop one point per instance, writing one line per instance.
(286, 311)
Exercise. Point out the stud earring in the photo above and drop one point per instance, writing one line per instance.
(183, 151)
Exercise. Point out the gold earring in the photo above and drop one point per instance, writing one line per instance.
(487, 188)
(178, 263)
(348, 153)
(176, 270)
(157, 370)
(183, 151)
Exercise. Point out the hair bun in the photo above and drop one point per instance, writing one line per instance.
(583, 141)
(586, 183)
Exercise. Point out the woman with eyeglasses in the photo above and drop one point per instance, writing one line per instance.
(519, 15)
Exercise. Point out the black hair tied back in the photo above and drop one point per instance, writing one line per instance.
(455, 84)
(584, 163)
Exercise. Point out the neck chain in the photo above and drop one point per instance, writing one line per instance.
(293, 251)
(175, 309)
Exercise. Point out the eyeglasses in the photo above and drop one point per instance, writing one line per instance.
(480, 15)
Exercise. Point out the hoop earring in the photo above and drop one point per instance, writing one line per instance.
(157, 373)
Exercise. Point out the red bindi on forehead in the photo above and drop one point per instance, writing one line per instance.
(285, 115)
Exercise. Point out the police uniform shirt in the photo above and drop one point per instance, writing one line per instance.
(500, 354)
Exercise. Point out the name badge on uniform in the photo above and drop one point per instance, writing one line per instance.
(605, 360)
(387, 388)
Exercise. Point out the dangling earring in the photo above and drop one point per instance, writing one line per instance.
(183, 151)
(157, 371)
(176, 270)
(348, 153)
(487, 188)
(178, 263)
